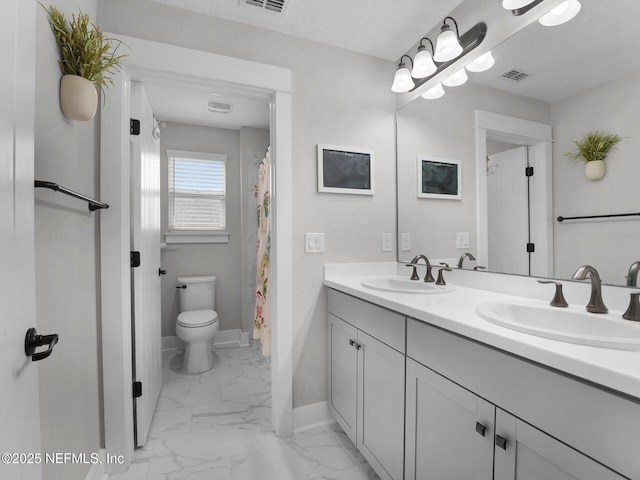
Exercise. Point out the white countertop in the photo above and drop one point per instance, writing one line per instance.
(455, 311)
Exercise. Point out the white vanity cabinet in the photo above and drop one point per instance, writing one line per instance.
(366, 380)
(454, 434)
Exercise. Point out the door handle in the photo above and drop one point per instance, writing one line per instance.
(161, 272)
(32, 341)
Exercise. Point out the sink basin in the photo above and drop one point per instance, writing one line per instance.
(571, 324)
(404, 285)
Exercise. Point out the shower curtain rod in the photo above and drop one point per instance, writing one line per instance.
(93, 204)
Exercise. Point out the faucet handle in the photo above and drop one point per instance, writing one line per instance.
(479, 267)
(633, 310)
(558, 299)
(440, 280)
(414, 273)
(444, 263)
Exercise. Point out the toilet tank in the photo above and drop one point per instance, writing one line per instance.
(199, 294)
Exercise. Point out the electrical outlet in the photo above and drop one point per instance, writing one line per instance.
(314, 242)
(405, 242)
(387, 242)
(462, 240)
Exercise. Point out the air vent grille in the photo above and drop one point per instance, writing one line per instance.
(273, 5)
(515, 75)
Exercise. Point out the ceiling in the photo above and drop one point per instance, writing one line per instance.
(381, 28)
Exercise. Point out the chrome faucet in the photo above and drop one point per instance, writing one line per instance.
(632, 276)
(595, 305)
(414, 263)
(463, 256)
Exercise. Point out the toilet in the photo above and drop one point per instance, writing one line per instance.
(197, 323)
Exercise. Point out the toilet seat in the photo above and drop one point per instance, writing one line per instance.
(197, 318)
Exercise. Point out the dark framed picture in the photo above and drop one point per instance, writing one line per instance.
(345, 170)
(439, 178)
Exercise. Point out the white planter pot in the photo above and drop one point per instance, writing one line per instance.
(595, 170)
(78, 98)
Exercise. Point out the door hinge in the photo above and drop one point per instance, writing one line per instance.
(528, 171)
(137, 389)
(531, 247)
(135, 259)
(134, 126)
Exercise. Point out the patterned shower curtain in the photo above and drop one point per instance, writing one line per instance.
(262, 318)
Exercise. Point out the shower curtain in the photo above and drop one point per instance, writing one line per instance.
(262, 318)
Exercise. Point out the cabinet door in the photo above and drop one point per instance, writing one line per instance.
(449, 433)
(343, 374)
(530, 454)
(381, 406)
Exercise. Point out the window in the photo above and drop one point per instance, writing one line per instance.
(197, 197)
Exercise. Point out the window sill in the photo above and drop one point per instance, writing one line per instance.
(196, 237)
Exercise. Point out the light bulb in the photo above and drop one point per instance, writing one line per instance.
(402, 82)
(561, 14)
(515, 4)
(456, 79)
(482, 63)
(434, 92)
(423, 65)
(447, 46)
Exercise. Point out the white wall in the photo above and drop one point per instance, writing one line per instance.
(339, 97)
(67, 263)
(445, 128)
(611, 245)
(219, 259)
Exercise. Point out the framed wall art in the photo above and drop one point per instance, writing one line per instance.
(345, 170)
(439, 178)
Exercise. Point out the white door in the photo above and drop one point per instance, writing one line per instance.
(508, 212)
(145, 238)
(19, 406)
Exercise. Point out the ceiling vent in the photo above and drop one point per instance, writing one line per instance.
(278, 6)
(219, 107)
(515, 75)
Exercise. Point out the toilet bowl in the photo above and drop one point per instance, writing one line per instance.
(197, 323)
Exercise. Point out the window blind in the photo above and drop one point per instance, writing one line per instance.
(197, 191)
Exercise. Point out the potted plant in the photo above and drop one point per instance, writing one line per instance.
(86, 60)
(592, 150)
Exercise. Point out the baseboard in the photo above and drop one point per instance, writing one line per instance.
(223, 339)
(311, 416)
(97, 470)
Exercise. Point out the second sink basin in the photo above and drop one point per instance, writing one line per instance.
(399, 284)
(564, 324)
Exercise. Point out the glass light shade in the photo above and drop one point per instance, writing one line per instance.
(515, 4)
(482, 63)
(456, 79)
(561, 14)
(423, 65)
(447, 46)
(402, 82)
(434, 92)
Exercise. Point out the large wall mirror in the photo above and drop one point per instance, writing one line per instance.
(549, 87)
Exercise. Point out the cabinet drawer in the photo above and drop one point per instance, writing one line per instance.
(385, 325)
(599, 423)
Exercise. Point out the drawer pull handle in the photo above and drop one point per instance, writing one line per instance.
(357, 345)
(351, 342)
(480, 428)
(501, 442)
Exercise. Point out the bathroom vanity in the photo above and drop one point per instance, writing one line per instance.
(427, 389)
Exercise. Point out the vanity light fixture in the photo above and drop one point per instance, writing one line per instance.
(402, 82)
(434, 92)
(561, 14)
(515, 4)
(482, 63)
(448, 43)
(456, 79)
(423, 65)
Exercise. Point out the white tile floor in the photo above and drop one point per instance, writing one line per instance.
(217, 426)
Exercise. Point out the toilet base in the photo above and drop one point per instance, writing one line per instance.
(198, 357)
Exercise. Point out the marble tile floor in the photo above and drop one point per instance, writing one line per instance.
(217, 426)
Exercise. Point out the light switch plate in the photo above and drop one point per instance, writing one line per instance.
(462, 240)
(387, 242)
(405, 240)
(314, 242)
